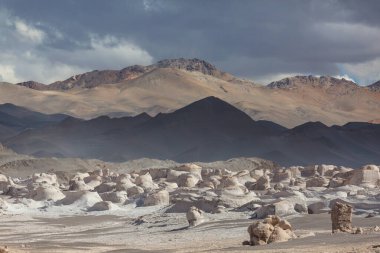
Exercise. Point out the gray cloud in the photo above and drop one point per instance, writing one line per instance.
(260, 40)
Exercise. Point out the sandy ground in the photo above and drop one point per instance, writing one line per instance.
(160, 232)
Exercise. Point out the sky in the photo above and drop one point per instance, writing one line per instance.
(260, 40)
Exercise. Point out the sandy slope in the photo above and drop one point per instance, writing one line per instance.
(166, 89)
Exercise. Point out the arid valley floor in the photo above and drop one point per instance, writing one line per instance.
(144, 205)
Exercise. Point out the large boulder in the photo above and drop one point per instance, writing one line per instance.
(317, 181)
(124, 182)
(184, 199)
(157, 198)
(4, 184)
(368, 176)
(83, 199)
(263, 183)
(279, 208)
(145, 181)
(187, 180)
(78, 184)
(272, 229)
(115, 197)
(134, 191)
(46, 192)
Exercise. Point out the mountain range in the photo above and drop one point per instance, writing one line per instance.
(171, 84)
(206, 130)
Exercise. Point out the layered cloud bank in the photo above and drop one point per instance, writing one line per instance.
(260, 40)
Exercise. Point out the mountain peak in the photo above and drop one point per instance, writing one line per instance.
(33, 85)
(189, 65)
(311, 81)
(100, 77)
(375, 86)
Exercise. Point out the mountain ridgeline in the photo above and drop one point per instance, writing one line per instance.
(207, 130)
(170, 84)
(95, 78)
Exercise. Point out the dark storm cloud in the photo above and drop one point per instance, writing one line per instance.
(261, 40)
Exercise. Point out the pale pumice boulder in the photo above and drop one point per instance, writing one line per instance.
(46, 192)
(79, 185)
(115, 197)
(368, 176)
(173, 175)
(83, 199)
(317, 181)
(123, 183)
(48, 178)
(157, 198)
(187, 180)
(102, 206)
(134, 190)
(4, 184)
(145, 181)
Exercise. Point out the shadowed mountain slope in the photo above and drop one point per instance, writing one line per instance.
(206, 130)
(15, 119)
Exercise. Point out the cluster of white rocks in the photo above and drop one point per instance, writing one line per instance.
(261, 191)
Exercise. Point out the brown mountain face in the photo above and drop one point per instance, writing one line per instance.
(323, 82)
(97, 78)
(172, 84)
(33, 85)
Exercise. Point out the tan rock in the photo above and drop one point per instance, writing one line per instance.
(279, 235)
(341, 217)
(263, 183)
(194, 216)
(260, 232)
(272, 229)
(157, 198)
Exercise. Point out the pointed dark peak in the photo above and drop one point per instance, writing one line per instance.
(34, 85)
(210, 102)
(358, 125)
(143, 115)
(310, 126)
(313, 81)
(209, 109)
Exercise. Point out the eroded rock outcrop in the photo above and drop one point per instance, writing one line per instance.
(341, 217)
(272, 229)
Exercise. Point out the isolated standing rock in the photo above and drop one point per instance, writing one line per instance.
(341, 217)
(194, 216)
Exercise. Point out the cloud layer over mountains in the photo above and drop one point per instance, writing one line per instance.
(262, 40)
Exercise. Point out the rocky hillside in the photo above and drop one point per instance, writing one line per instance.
(207, 130)
(172, 84)
(324, 82)
(375, 86)
(96, 77)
